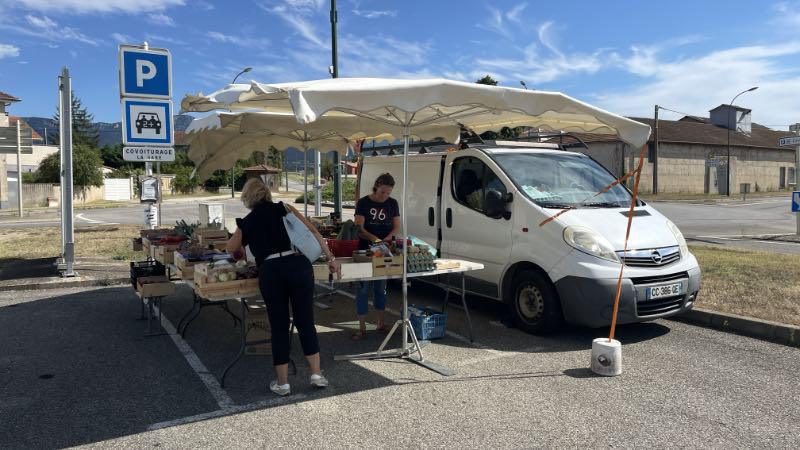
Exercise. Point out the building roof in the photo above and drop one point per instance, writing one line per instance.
(262, 168)
(12, 122)
(8, 98)
(700, 130)
(696, 132)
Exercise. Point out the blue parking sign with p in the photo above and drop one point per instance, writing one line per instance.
(145, 73)
(796, 201)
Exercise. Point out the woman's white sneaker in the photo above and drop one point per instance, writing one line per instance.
(280, 389)
(318, 380)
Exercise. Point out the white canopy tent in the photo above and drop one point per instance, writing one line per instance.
(410, 104)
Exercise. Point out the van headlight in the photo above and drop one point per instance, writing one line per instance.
(587, 241)
(678, 237)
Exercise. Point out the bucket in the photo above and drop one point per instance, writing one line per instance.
(606, 357)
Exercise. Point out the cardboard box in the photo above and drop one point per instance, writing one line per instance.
(158, 286)
(387, 266)
(351, 270)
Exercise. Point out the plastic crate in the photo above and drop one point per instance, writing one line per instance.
(430, 326)
(342, 249)
(141, 269)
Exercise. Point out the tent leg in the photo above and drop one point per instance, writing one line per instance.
(305, 179)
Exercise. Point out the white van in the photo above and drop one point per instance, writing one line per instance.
(485, 203)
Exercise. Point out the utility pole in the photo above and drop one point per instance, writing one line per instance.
(19, 168)
(655, 154)
(796, 129)
(337, 167)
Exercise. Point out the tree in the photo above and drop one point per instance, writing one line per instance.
(487, 80)
(184, 182)
(86, 165)
(274, 158)
(112, 156)
(327, 169)
(83, 130)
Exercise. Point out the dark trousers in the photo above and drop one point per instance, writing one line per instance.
(282, 281)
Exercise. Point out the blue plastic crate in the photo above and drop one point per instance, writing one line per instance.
(428, 327)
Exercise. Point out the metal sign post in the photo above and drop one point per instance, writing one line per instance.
(67, 225)
(19, 169)
(794, 140)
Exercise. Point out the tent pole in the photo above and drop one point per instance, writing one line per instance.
(305, 179)
(406, 134)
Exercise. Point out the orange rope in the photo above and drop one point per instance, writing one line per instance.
(625, 247)
(601, 191)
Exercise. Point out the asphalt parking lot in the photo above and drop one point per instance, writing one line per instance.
(75, 369)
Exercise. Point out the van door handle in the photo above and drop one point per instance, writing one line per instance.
(449, 218)
(431, 217)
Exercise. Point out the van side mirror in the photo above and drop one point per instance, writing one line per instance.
(496, 205)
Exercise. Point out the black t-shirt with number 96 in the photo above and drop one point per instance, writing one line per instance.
(378, 217)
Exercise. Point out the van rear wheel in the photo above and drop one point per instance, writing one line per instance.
(534, 304)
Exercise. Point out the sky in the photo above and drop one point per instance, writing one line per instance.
(625, 56)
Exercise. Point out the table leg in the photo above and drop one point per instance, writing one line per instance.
(188, 313)
(196, 312)
(447, 294)
(235, 318)
(243, 344)
(464, 304)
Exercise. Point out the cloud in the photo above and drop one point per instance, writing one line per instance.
(385, 56)
(788, 14)
(514, 13)
(157, 39)
(204, 5)
(121, 38)
(8, 51)
(698, 84)
(98, 6)
(296, 14)
(238, 40)
(494, 23)
(371, 14)
(161, 19)
(45, 28)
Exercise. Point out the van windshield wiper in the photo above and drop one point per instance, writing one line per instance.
(557, 205)
(604, 204)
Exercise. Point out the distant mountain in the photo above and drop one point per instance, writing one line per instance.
(110, 133)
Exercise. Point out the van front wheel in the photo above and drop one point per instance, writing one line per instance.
(534, 303)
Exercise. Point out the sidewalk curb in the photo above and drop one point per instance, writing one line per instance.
(747, 326)
(67, 284)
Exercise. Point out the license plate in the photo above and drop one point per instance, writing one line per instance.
(667, 290)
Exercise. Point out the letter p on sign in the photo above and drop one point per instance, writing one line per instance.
(145, 73)
(145, 70)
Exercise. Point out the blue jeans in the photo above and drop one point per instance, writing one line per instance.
(362, 296)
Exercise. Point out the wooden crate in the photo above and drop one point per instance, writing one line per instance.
(205, 234)
(186, 273)
(158, 286)
(386, 266)
(146, 245)
(242, 288)
(165, 254)
(136, 244)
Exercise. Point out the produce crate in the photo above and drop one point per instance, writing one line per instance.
(342, 249)
(387, 266)
(244, 288)
(204, 235)
(155, 232)
(430, 326)
(165, 254)
(157, 286)
(140, 269)
(350, 270)
(136, 244)
(187, 273)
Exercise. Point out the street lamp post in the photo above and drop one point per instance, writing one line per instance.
(233, 181)
(728, 120)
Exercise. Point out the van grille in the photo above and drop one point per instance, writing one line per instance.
(653, 307)
(660, 278)
(654, 257)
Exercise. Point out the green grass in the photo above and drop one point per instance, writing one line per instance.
(113, 243)
(755, 284)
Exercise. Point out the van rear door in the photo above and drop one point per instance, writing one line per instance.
(422, 202)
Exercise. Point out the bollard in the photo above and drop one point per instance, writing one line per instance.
(606, 357)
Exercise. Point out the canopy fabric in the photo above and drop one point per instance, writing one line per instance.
(414, 103)
(218, 140)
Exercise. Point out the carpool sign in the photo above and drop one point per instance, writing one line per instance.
(796, 201)
(145, 87)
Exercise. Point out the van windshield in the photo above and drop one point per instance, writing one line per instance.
(562, 180)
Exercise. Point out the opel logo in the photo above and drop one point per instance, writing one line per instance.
(656, 257)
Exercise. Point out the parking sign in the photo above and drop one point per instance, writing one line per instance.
(147, 122)
(145, 73)
(796, 201)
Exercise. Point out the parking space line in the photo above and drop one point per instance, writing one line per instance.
(222, 398)
(228, 411)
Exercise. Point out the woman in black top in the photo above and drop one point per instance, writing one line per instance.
(284, 276)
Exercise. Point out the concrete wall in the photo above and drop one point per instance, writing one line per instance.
(36, 194)
(682, 167)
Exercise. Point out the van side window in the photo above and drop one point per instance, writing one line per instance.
(472, 179)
